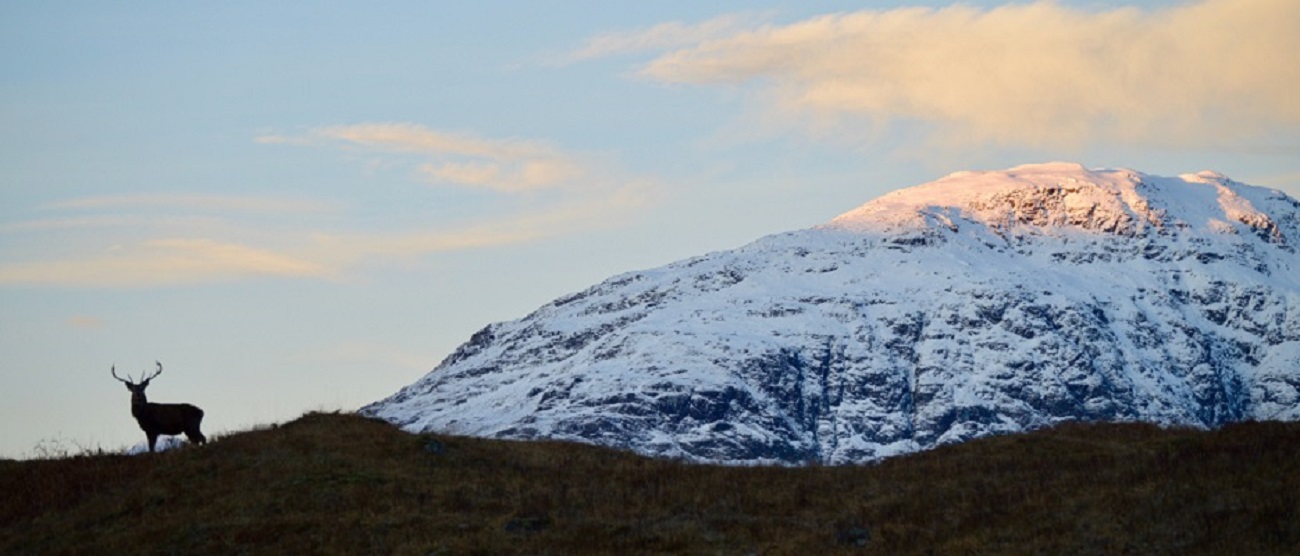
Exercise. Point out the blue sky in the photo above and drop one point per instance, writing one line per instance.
(297, 207)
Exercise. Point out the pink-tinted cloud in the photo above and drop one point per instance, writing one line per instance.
(1038, 74)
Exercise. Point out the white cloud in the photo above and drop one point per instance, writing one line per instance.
(1038, 74)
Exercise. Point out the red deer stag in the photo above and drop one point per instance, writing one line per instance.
(161, 418)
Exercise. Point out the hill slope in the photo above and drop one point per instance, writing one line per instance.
(982, 303)
(343, 484)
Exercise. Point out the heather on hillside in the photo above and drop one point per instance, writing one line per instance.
(342, 484)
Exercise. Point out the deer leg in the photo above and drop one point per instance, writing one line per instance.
(153, 439)
(192, 429)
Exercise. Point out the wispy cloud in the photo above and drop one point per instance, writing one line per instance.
(582, 194)
(610, 209)
(150, 240)
(347, 249)
(1037, 74)
(512, 165)
(191, 201)
(416, 138)
(673, 34)
(162, 262)
(303, 253)
(85, 322)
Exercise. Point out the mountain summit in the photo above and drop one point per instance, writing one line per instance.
(978, 304)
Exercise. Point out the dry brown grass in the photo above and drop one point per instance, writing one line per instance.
(331, 483)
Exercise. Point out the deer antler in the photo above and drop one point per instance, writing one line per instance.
(154, 375)
(113, 370)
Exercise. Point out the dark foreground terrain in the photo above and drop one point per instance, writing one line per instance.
(336, 483)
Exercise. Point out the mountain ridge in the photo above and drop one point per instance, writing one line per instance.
(981, 303)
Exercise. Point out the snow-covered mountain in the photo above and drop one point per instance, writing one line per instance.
(981, 303)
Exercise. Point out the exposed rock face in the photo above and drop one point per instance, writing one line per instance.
(982, 303)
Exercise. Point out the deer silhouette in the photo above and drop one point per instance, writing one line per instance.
(157, 419)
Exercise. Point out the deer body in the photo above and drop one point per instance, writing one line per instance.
(157, 419)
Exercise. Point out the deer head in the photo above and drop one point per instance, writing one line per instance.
(137, 388)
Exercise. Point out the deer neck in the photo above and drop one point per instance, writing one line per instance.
(138, 403)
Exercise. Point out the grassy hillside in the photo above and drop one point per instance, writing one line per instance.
(330, 483)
